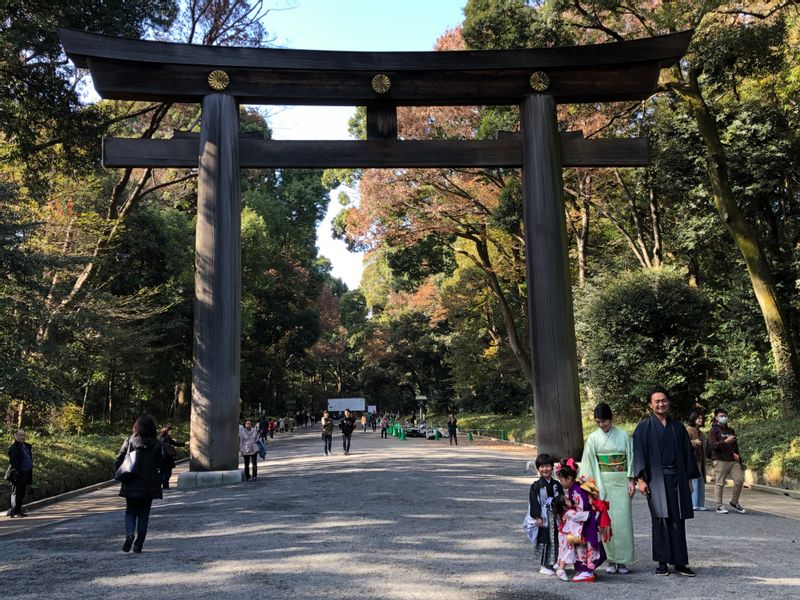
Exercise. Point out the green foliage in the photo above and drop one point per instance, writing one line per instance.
(41, 116)
(641, 329)
(412, 265)
(770, 447)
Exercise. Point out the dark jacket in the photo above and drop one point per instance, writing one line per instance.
(347, 424)
(647, 465)
(15, 463)
(553, 488)
(720, 450)
(452, 428)
(168, 445)
(147, 483)
(327, 427)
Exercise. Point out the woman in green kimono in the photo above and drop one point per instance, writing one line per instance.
(608, 459)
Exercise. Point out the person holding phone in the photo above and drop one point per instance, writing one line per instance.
(727, 461)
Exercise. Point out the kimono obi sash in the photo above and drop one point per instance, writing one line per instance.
(612, 463)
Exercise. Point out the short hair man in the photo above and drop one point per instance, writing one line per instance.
(663, 464)
(19, 473)
(727, 461)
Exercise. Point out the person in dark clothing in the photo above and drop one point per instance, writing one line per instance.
(327, 433)
(347, 424)
(452, 429)
(540, 496)
(664, 465)
(140, 491)
(263, 427)
(19, 473)
(168, 446)
(727, 461)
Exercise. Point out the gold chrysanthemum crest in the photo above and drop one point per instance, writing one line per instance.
(218, 80)
(381, 83)
(540, 81)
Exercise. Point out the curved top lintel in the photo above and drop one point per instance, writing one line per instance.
(128, 69)
(81, 46)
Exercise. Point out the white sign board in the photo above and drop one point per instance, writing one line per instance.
(372, 409)
(339, 404)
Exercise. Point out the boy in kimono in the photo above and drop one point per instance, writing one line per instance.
(540, 522)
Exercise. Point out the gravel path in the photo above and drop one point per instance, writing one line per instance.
(395, 520)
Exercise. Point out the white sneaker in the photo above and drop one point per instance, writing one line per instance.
(699, 508)
(738, 508)
(611, 568)
(722, 510)
(546, 571)
(622, 570)
(562, 575)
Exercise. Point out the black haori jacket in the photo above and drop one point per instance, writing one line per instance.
(647, 465)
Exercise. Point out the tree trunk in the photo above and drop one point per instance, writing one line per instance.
(745, 237)
(516, 345)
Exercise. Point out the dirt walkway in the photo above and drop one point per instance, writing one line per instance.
(413, 519)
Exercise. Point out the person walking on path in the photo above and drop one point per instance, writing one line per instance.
(452, 429)
(248, 446)
(263, 427)
(347, 425)
(327, 433)
(663, 464)
(373, 419)
(140, 491)
(168, 445)
(694, 428)
(727, 460)
(608, 459)
(19, 473)
(384, 427)
(364, 423)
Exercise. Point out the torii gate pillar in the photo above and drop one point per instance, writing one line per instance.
(551, 324)
(214, 443)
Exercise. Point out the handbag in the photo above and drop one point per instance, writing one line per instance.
(11, 474)
(262, 448)
(129, 468)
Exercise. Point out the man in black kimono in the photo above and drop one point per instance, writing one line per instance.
(663, 464)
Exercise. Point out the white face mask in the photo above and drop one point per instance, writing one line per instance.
(723, 420)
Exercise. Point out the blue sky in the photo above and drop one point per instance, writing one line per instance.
(348, 25)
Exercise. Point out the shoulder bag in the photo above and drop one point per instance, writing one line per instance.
(129, 468)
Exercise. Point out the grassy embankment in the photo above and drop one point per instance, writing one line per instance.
(768, 447)
(62, 463)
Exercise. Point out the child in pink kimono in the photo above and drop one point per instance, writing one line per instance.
(579, 538)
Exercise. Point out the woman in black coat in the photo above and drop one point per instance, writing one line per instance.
(140, 490)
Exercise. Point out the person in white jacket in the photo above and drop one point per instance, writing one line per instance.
(248, 446)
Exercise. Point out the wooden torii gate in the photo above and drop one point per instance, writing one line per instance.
(221, 78)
